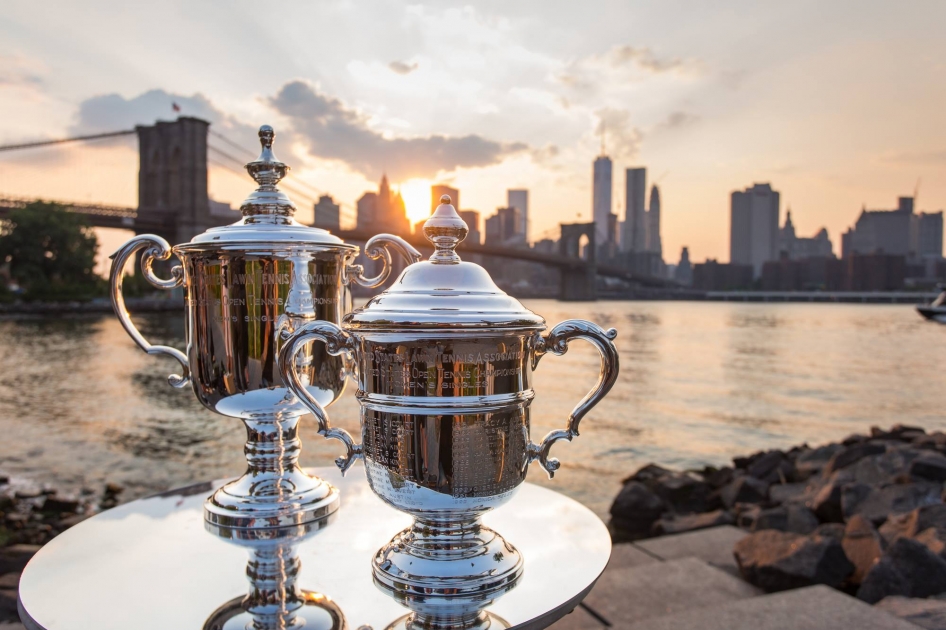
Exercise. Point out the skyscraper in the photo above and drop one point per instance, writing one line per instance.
(472, 220)
(635, 229)
(753, 228)
(383, 211)
(327, 214)
(601, 197)
(439, 190)
(654, 244)
(520, 199)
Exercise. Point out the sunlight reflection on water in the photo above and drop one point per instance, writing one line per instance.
(700, 382)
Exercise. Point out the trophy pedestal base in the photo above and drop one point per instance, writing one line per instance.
(284, 501)
(482, 621)
(450, 560)
(313, 611)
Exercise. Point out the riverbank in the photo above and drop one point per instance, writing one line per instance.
(864, 515)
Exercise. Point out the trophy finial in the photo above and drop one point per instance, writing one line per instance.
(267, 170)
(445, 229)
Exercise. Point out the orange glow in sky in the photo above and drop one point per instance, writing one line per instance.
(416, 194)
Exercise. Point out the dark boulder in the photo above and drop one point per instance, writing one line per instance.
(685, 493)
(635, 509)
(826, 503)
(784, 492)
(852, 454)
(679, 523)
(902, 432)
(60, 505)
(777, 561)
(877, 503)
(934, 539)
(830, 530)
(648, 473)
(908, 568)
(15, 557)
(718, 477)
(883, 580)
(812, 461)
(862, 545)
(787, 518)
(772, 467)
(744, 490)
(931, 466)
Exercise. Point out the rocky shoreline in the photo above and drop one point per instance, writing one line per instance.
(29, 518)
(864, 515)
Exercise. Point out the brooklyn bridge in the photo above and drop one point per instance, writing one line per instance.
(173, 202)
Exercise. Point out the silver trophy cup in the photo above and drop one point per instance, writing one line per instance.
(244, 284)
(444, 362)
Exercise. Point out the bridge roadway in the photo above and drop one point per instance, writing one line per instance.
(106, 216)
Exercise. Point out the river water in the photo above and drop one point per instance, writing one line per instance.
(80, 405)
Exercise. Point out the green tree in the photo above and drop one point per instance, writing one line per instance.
(50, 253)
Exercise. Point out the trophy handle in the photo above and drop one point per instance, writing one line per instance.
(337, 341)
(157, 249)
(556, 342)
(380, 246)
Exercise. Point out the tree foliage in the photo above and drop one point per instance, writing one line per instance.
(50, 253)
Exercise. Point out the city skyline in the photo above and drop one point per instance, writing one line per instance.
(480, 99)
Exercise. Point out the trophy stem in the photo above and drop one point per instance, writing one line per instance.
(448, 558)
(274, 600)
(274, 491)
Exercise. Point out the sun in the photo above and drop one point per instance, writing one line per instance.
(416, 194)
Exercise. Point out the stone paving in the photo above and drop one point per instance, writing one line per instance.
(690, 581)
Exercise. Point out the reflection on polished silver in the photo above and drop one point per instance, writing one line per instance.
(244, 283)
(274, 601)
(444, 362)
(464, 609)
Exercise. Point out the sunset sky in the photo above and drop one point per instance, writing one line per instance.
(837, 104)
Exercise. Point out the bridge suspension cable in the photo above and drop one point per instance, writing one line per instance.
(46, 143)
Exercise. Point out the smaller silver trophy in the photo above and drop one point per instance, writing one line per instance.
(243, 284)
(444, 363)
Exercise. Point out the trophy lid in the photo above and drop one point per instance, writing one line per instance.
(267, 212)
(443, 292)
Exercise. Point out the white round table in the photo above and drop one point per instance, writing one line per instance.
(153, 565)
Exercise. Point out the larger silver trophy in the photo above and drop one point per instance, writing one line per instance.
(243, 284)
(444, 362)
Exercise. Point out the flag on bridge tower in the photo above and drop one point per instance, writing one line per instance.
(175, 107)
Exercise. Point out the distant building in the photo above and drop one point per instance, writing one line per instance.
(366, 209)
(753, 231)
(796, 248)
(546, 246)
(928, 235)
(520, 199)
(502, 228)
(472, 219)
(601, 197)
(716, 276)
(654, 244)
(438, 191)
(875, 272)
(634, 238)
(383, 211)
(821, 273)
(881, 231)
(683, 273)
(327, 214)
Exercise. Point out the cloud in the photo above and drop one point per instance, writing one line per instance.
(624, 63)
(402, 68)
(114, 112)
(678, 119)
(622, 139)
(18, 71)
(332, 130)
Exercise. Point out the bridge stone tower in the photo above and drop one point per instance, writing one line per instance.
(172, 178)
(578, 283)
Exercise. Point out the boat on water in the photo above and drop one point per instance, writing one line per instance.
(935, 310)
